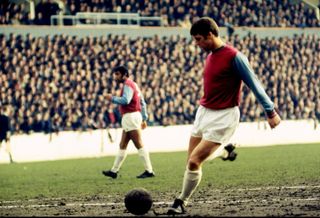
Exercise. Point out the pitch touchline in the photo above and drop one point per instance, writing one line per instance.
(280, 187)
(252, 200)
(159, 203)
(155, 203)
(240, 189)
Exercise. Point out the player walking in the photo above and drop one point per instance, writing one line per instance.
(134, 116)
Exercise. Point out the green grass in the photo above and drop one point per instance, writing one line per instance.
(280, 165)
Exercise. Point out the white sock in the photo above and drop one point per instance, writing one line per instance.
(144, 155)
(191, 180)
(122, 154)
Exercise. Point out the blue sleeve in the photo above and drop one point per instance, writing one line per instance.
(125, 98)
(246, 73)
(143, 108)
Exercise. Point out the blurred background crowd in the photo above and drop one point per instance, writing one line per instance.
(59, 83)
(251, 13)
(56, 83)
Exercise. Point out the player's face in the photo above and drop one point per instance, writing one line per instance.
(118, 77)
(204, 42)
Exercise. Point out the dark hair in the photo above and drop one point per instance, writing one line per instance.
(122, 69)
(203, 26)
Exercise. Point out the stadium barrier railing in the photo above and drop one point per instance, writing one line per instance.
(111, 18)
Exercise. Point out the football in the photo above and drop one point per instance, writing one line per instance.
(138, 201)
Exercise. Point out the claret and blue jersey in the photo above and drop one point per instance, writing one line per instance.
(224, 71)
(131, 99)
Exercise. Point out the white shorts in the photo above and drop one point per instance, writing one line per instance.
(131, 121)
(216, 125)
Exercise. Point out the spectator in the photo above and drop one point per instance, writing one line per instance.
(252, 13)
(57, 80)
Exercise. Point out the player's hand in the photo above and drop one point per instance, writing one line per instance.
(144, 124)
(274, 120)
(108, 97)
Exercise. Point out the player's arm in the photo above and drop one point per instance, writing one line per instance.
(246, 73)
(143, 111)
(125, 98)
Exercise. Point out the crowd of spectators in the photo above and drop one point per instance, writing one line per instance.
(58, 83)
(251, 13)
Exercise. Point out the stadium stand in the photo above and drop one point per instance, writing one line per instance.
(56, 83)
(250, 13)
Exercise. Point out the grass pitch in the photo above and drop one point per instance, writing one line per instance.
(279, 165)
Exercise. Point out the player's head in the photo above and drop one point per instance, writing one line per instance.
(204, 31)
(4, 109)
(203, 26)
(120, 73)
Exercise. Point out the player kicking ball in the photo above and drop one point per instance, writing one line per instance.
(218, 115)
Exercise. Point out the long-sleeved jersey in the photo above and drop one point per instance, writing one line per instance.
(224, 71)
(131, 99)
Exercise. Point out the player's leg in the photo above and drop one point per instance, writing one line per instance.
(5, 145)
(215, 127)
(193, 173)
(135, 136)
(225, 152)
(122, 153)
(8, 149)
(132, 124)
(120, 157)
(191, 177)
(193, 142)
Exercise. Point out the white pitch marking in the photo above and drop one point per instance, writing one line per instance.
(275, 187)
(155, 203)
(162, 202)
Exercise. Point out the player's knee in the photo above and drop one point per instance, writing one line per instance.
(138, 146)
(123, 146)
(193, 164)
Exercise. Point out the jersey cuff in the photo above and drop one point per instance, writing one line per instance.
(271, 114)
